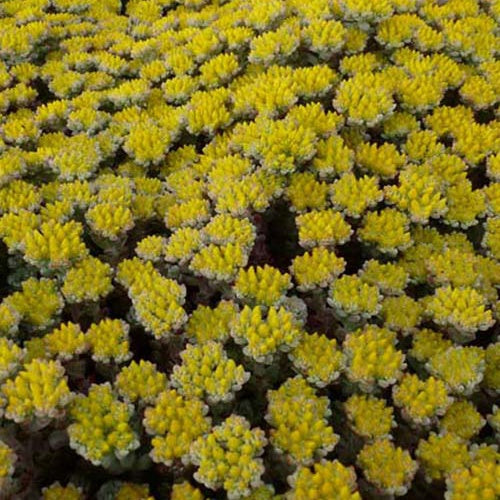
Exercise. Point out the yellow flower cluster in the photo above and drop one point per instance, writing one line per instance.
(11, 356)
(207, 372)
(54, 245)
(157, 300)
(462, 309)
(207, 171)
(206, 324)
(38, 304)
(101, 429)
(369, 416)
(491, 380)
(40, 390)
(462, 419)
(316, 268)
(87, 281)
(265, 334)
(322, 228)
(387, 231)
(327, 479)
(388, 467)
(140, 382)
(108, 341)
(66, 341)
(227, 457)
(318, 359)
(460, 368)
(421, 401)
(298, 418)
(175, 422)
(261, 285)
(186, 491)
(390, 278)
(354, 299)
(133, 491)
(355, 195)
(439, 455)
(7, 461)
(219, 262)
(479, 480)
(372, 358)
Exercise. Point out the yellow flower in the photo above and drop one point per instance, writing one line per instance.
(365, 98)
(38, 303)
(461, 368)
(110, 220)
(384, 160)
(390, 278)
(261, 285)
(327, 479)
(206, 324)
(263, 335)
(333, 157)
(325, 37)
(186, 491)
(463, 419)
(305, 192)
(372, 358)
(11, 356)
(65, 341)
(171, 414)
(389, 468)
(316, 268)
(100, 430)
(206, 372)
(299, 420)
(133, 491)
(426, 343)
(387, 230)
(140, 382)
(439, 456)
(55, 245)
(351, 297)
(7, 460)
(108, 341)
(322, 228)
(479, 480)
(40, 390)
(462, 309)
(402, 313)
(355, 195)
(219, 262)
(318, 359)
(228, 457)
(369, 417)
(88, 280)
(421, 401)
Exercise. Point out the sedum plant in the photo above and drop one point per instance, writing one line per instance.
(246, 246)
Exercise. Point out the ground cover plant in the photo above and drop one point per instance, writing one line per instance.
(249, 249)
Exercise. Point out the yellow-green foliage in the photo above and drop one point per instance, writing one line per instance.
(229, 226)
(206, 372)
(100, 428)
(40, 390)
(299, 421)
(369, 417)
(227, 457)
(175, 422)
(387, 466)
(327, 478)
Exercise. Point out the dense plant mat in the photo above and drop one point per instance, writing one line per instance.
(249, 249)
